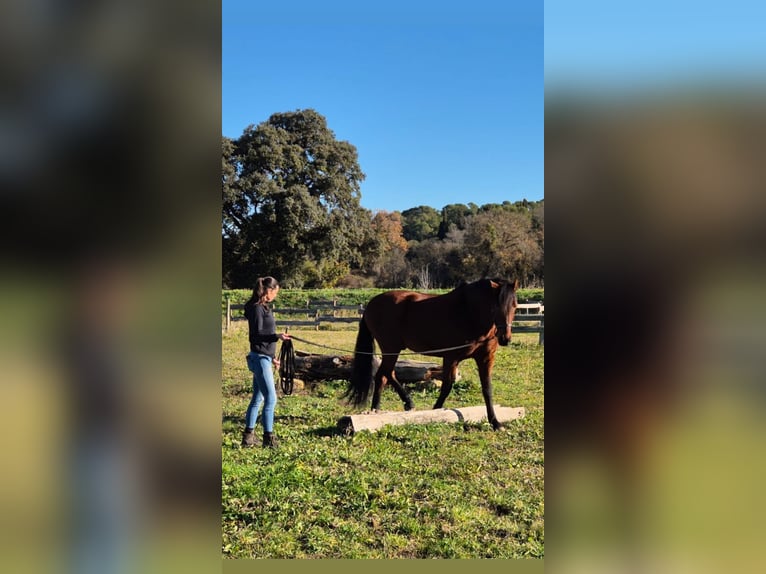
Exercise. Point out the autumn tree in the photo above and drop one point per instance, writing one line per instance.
(500, 242)
(390, 266)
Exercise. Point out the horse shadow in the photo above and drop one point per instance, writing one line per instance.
(330, 431)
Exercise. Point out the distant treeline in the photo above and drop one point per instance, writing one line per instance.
(291, 209)
(440, 248)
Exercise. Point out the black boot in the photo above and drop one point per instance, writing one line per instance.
(248, 438)
(269, 441)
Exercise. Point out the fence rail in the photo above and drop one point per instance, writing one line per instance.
(315, 313)
(322, 311)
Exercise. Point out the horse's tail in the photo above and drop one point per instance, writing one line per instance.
(361, 372)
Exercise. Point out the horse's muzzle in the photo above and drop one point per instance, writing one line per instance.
(503, 339)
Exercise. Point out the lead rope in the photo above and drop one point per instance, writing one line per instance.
(383, 354)
(287, 358)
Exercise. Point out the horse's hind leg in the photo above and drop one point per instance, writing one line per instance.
(449, 372)
(385, 375)
(400, 390)
(403, 394)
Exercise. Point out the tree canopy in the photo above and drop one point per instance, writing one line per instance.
(420, 222)
(291, 208)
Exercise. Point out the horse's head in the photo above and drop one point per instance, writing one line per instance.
(504, 309)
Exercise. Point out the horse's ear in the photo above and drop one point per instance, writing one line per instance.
(494, 284)
(515, 284)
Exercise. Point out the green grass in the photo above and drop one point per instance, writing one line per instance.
(418, 491)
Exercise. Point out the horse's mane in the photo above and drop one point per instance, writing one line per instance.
(507, 296)
(505, 299)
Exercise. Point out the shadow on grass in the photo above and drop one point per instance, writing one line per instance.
(326, 432)
(236, 390)
(286, 419)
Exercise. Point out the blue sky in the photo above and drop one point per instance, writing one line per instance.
(597, 45)
(443, 102)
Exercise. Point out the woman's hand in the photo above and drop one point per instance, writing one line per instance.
(284, 337)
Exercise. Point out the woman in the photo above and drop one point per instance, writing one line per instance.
(263, 347)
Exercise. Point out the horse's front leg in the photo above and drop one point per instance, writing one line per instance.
(449, 372)
(484, 362)
(400, 389)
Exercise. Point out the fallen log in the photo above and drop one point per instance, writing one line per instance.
(323, 367)
(372, 422)
(417, 371)
(338, 367)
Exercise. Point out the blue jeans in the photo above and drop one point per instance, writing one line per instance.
(264, 392)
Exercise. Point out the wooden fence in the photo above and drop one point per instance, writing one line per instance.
(314, 314)
(530, 317)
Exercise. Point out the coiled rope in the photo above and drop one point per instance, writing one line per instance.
(287, 367)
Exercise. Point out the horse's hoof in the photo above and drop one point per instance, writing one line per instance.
(496, 426)
(409, 407)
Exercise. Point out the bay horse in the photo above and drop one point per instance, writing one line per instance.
(468, 322)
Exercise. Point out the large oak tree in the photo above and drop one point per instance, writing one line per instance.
(291, 194)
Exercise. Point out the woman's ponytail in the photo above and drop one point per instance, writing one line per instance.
(262, 286)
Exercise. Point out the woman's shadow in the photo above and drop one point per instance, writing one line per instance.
(328, 431)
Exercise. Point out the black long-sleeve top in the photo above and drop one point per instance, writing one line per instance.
(263, 330)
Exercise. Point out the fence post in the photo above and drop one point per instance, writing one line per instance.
(228, 313)
(541, 340)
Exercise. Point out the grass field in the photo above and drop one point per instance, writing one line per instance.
(421, 491)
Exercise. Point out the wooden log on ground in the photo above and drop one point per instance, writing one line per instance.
(338, 367)
(375, 421)
(322, 367)
(417, 371)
